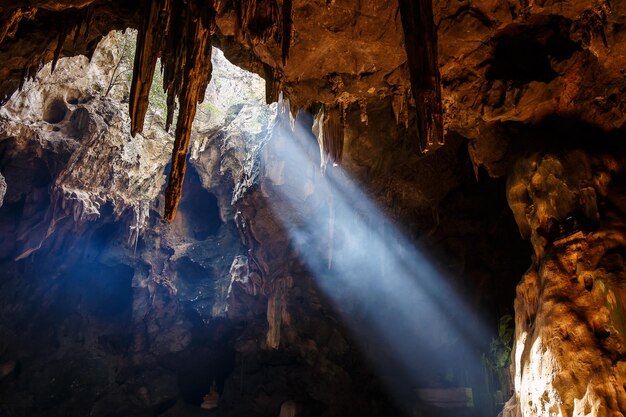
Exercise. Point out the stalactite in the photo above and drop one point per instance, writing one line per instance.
(420, 41)
(79, 26)
(174, 62)
(273, 84)
(149, 44)
(293, 113)
(257, 19)
(10, 20)
(328, 128)
(85, 16)
(318, 131)
(59, 47)
(180, 33)
(400, 105)
(75, 23)
(333, 134)
(287, 23)
(89, 19)
(194, 75)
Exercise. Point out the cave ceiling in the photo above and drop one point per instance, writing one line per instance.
(500, 65)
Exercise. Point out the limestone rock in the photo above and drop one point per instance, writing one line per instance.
(131, 299)
(519, 79)
(570, 334)
(61, 115)
(3, 189)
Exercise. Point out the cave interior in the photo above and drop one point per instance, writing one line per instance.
(293, 208)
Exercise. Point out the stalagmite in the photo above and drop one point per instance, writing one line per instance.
(420, 41)
(570, 330)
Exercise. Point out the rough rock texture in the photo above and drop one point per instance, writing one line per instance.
(76, 30)
(570, 314)
(189, 304)
(231, 124)
(530, 65)
(356, 55)
(61, 129)
(516, 76)
(109, 303)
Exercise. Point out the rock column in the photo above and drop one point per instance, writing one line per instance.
(569, 349)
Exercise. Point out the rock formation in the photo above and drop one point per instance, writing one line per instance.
(569, 350)
(124, 299)
(533, 90)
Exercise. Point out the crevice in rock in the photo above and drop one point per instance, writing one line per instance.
(199, 210)
(526, 52)
(55, 111)
(79, 120)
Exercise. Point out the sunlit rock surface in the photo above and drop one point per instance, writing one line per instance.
(109, 306)
(62, 129)
(570, 316)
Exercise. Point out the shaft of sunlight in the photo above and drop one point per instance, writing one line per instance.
(387, 290)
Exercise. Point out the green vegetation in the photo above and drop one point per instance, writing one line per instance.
(158, 97)
(500, 349)
(119, 85)
(123, 71)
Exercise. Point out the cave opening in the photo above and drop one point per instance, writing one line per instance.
(170, 298)
(199, 210)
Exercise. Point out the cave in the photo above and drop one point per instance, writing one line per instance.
(283, 208)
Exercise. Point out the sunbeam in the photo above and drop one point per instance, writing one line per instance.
(388, 291)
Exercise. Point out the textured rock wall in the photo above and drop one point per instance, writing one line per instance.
(572, 72)
(108, 310)
(62, 128)
(570, 305)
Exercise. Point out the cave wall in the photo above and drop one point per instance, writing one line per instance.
(516, 76)
(194, 303)
(108, 310)
(570, 304)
